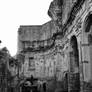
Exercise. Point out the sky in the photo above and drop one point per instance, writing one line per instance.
(14, 13)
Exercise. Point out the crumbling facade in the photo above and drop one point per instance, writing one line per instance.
(75, 25)
(62, 47)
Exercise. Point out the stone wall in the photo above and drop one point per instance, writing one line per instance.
(74, 13)
(54, 54)
(77, 29)
(34, 37)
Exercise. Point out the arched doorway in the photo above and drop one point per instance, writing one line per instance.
(74, 75)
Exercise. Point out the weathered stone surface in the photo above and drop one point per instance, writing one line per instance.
(62, 54)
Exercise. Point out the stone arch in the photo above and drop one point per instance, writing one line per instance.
(74, 75)
(74, 54)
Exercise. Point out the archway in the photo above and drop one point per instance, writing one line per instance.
(74, 75)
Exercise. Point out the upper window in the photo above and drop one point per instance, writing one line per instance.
(31, 62)
(88, 23)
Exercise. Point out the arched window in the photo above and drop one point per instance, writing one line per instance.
(74, 54)
(74, 74)
(88, 23)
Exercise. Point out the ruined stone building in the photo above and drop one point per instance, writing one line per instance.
(62, 47)
(4, 69)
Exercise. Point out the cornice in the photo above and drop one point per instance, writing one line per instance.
(43, 45)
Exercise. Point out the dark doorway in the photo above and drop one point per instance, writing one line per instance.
(74, 75)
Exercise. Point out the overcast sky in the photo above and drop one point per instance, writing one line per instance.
(14, 13)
